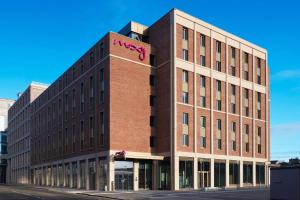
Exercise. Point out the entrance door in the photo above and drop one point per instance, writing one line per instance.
(164, 176)
(123, 175)
(92, 174)
(145, 175)
(124, 181)
(203, 178)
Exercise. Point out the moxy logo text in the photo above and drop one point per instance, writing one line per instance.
(132, 47)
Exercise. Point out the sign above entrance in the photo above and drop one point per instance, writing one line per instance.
(120, 155)
(132, 47)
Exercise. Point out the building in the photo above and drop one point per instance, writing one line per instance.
(285, 182)
(180, 104)
(19, 135)
(4, 106)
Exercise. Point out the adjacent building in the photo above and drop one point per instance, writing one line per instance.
(4, 106)
(179, 104)
(19, 135)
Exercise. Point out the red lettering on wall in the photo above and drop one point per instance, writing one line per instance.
(132, 47)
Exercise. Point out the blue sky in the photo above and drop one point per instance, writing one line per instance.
(40, 39)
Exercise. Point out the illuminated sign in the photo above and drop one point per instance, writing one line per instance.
(132, 47)
(121, 155)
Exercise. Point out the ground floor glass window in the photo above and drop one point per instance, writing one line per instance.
(123, 175)
(247, 173)
(186, 174)
(203, 174)
(220, 174)
(260, 174)
(234, 173)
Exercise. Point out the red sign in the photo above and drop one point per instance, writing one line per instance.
(121, 155)
(132, 47)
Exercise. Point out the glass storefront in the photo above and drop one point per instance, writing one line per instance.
(82, 175)
(260, 174)
(247, 173)
(92, 174)
(60, 176)
(186, 174)
(220, 173)
(74, 174)
(145, 175)
(164, 175)
(54, 175)
(203, 174)
(234, 173)
(67, 174)
(102, 174)
(123, 175)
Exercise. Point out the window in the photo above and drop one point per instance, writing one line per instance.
(202, 81)
(81, 98)
(66, 107)
(81, 67)
(218, 46)
(185, 76)
(185, 97)
(152, 121)
(203, 132)
(152, 100)
(232, 53)
(185, 119)
(101, 51)
(233, 91)
(73, 102)
(92, 140)
(259, 105)
(246, 102)
(218, 101)
(258, 70)
(73, 138)
(152, 80)
(91, 91)
(218, 66)
(74, 73)
(233, 135)
(92, 59)
(219, 105)
(101, 128)
(152, 141)
(219, 139)
(185, 54)
(185, 139)
(81, 134)
(246, 67)
(184, 33)
(218, 85)
(259, 140)
(152, 60)
(101, 85)
(246, 129)
(202, 60)
(202, 101)
(202, 40)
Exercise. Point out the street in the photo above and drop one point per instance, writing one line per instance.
(32, 193)
(40, 193)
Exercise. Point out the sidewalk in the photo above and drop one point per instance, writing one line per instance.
(149, 194)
